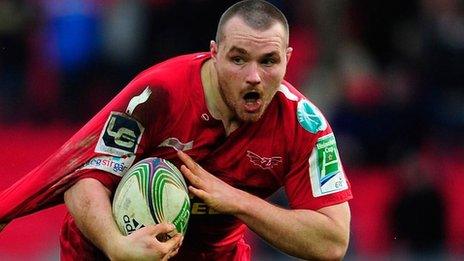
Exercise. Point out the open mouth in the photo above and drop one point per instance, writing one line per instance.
(252, 101)
(251, 96)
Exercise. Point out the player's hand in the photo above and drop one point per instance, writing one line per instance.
(216, 193)
(144, 245)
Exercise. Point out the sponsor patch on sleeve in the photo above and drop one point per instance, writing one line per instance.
(115, 165)
(309, 117)
(120, 136)
(325, 168)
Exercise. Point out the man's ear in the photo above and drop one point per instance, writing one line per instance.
(288, 53)
(213, 49)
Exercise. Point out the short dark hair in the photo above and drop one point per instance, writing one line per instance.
(257, 14)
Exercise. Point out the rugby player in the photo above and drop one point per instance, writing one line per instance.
(238, 132)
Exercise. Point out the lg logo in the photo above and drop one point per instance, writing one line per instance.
(121, 134)
(123, 137)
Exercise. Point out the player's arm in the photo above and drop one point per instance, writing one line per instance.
(123, 138)
(89, 203)
(315, 235)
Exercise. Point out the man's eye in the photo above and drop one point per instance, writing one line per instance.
(268, 62)
(238, 60)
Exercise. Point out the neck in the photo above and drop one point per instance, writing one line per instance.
(214, 101)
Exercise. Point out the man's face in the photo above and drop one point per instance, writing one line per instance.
(250, 65)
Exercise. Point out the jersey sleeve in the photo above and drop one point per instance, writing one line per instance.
(107, 145)
(317, 178)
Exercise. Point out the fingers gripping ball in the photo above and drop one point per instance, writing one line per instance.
(153, 191)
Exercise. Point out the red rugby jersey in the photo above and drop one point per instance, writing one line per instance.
(164, 107)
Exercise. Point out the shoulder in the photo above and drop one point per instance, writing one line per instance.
(165, 88)
(178, 78)
(304, 124)
(298, 109)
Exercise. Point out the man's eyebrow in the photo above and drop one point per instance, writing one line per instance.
(273, 53)
(244, 52)
(237, 49)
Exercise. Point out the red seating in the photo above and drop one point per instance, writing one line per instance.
(374, 191)
(453, 192)
(34, 237)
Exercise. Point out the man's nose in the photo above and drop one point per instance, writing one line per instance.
(253, 76)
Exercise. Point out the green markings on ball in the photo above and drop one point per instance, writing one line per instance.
(163, 178)
(182, 218)
(153, 191)
(158, 186)
(177, 175)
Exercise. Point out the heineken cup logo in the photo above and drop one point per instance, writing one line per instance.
(328, 158)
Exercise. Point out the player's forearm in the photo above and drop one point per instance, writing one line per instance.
(315, 235)
(302, 233)
(88, 201)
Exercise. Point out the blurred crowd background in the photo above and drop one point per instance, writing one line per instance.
(387, 74)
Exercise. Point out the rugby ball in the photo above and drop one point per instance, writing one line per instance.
(152, 191)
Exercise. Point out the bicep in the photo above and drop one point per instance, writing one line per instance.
(84, 193)
(340, 214)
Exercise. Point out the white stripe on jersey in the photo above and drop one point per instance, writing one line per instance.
(284, 89)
